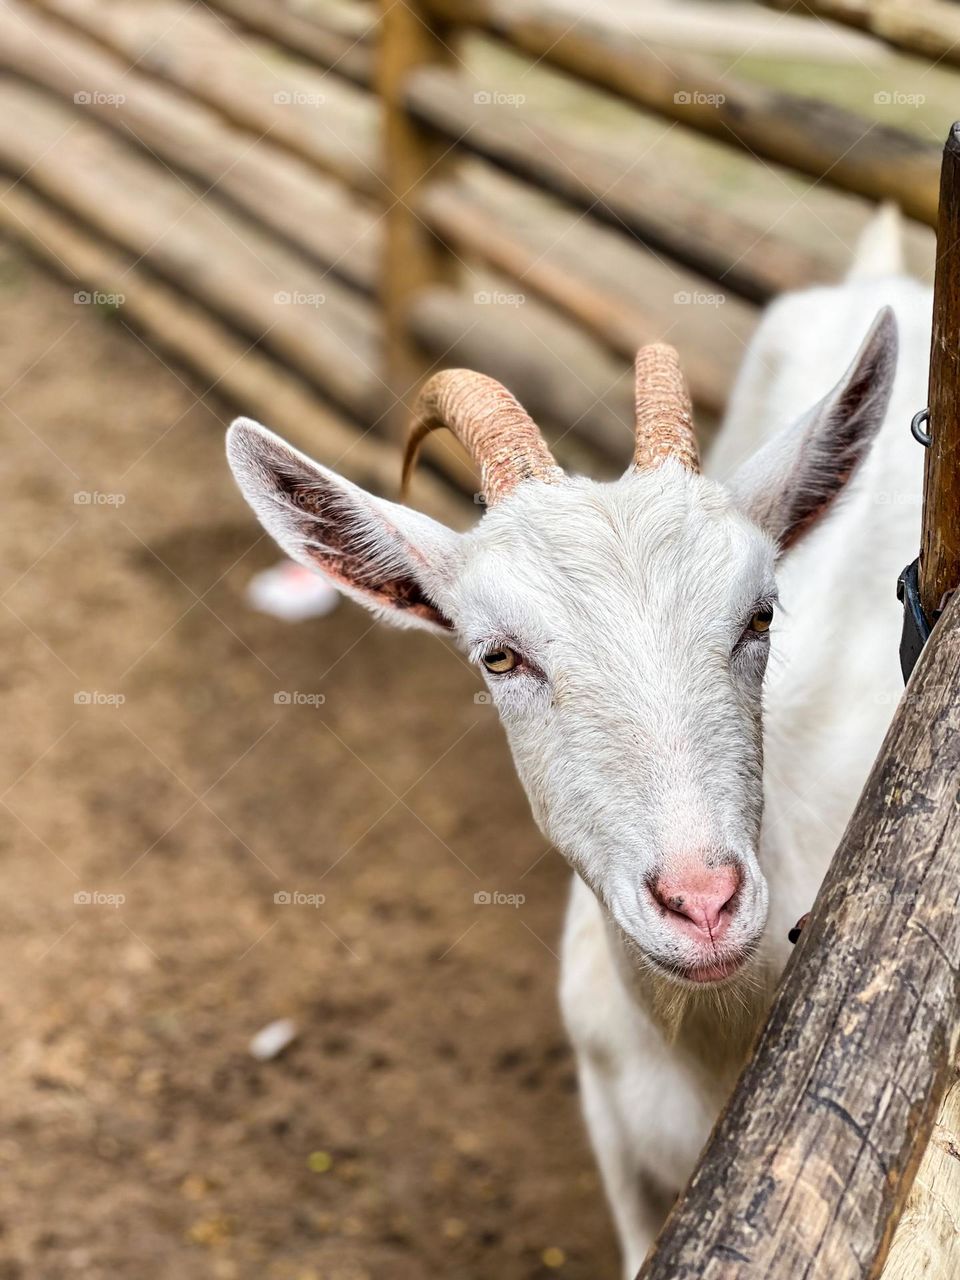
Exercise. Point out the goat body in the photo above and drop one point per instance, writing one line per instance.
(622, 630)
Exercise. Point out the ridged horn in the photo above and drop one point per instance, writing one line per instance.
(491, 424)
(664, 412)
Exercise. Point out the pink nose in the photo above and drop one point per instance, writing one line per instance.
(699, 898)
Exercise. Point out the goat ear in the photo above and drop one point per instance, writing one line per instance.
(792, 481)
(392, 559)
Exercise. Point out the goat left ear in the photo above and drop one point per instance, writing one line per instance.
(392, 559)
(793, 480)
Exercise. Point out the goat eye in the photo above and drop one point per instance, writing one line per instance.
(500, 660)
(761, 620)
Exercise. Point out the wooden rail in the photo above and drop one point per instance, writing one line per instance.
(940, 552)
(825, 141)
(927, 27)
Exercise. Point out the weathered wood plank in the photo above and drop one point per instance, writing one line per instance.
(940, 543)
(817, 138)
(317, 115)
(413, 257)
(927, 27)
(927, 1243)
(271, 293)
(745, 257)
(283, 191)
(812, 1160)
(619, 292)
(348, 52)
(225, 364)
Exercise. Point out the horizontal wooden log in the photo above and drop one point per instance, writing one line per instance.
(346, 49)
(620, 293)
(317, 115)
(930, 28)
(742, 256)
(225, 365)
(811, 1164)
(283, 191)
(266, 290)
(814, 137)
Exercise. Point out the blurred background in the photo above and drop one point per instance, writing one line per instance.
(216, 817)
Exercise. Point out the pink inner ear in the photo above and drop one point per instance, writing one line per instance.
(394, 592)
(336, 521)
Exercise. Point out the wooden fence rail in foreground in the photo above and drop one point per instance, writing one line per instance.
(812, 1160)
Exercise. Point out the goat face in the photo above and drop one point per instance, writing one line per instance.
(631, 621)
(621, 629)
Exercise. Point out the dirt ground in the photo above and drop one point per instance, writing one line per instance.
(425, 1123)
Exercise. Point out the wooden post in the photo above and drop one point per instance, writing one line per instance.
(810, 1166)
(940, 543)
(413, 257)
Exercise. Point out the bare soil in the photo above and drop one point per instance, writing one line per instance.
(425, 1123)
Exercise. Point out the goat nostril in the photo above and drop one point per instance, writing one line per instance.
(701, 896)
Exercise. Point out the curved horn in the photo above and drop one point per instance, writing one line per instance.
(664, 412)
(490, 423)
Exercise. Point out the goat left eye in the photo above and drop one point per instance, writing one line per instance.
(760, 622)
(500, 660)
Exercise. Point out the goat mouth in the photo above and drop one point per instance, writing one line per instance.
(710, 972)
(714, 971)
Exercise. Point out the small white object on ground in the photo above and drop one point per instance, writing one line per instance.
(271, 1040)
(291, 592)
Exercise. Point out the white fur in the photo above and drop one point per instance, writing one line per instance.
(635, 717)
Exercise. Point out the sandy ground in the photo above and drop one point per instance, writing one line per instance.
(425, 1123)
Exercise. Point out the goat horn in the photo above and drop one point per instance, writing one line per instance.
(664, 412)
(490, 423)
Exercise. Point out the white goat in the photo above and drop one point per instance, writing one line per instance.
(624, 631)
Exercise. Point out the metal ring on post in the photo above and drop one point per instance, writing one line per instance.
(916, 427)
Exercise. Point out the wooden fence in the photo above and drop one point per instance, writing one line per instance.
(312, 212)
(347, 201)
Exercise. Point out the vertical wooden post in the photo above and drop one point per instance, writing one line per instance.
(413, 257)
(940, 542)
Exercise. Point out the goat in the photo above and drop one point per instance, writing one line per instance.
(624, 630)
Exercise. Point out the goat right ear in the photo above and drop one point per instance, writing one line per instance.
(396, 561)
(793, 480)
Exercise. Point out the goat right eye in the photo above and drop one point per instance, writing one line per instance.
(501, 660)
